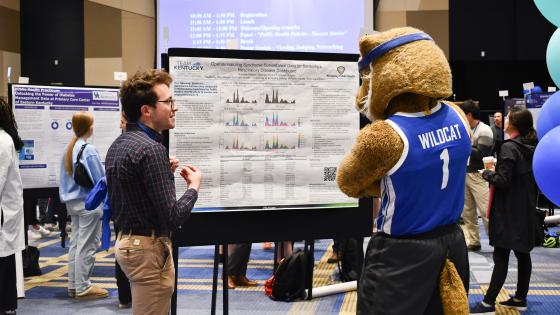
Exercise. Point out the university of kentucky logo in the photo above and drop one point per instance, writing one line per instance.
(188, 66)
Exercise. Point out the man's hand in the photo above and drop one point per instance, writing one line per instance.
(174, 163)
(192, 176)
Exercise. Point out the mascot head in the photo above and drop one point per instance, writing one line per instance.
(402, 65)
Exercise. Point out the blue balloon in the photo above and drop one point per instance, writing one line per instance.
(549, 116)
(553, 56)
(546, 168)
(550, 9)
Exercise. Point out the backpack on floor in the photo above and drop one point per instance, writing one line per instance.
(30, 258)
(288, 282)
(350, 258)
(551, 240)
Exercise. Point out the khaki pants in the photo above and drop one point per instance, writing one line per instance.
(147, 261)
(476, 197)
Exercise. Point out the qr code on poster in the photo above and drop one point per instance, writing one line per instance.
(329, 174)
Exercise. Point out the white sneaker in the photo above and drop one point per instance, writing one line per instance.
(33, 234)
(44, 232)
(52, 227)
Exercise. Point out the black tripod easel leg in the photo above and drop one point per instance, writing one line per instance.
(275, 258)
(176, 264)
(225, 279)
(310, 249)
(215, 278)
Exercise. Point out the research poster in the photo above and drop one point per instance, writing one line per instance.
(534, 104)
(44, 118)
(266, 134)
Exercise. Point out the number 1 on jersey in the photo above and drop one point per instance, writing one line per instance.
(445, 168)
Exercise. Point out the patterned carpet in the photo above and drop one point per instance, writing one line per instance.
(544, 289)
(47, 293)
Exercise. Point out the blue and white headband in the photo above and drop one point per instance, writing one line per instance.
(388, 45)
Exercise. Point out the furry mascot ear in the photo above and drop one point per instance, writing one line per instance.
(400, 61)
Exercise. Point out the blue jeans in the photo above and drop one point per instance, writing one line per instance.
(85, 238)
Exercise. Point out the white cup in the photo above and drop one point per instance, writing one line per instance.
(489, 162)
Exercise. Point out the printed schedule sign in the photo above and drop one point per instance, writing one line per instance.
(44, 118)
(271, 25)
(267, 134)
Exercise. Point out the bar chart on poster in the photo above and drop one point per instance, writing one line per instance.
(267, 134)
(288, 25)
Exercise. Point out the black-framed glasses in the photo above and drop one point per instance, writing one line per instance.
(170, 102)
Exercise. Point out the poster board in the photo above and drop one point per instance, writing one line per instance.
(267, 129)
(44, 118)
(216, 223)
(261, 224)
(534, 103)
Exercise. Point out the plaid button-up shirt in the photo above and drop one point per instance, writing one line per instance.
(141, 185)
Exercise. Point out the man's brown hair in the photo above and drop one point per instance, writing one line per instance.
(138, 91)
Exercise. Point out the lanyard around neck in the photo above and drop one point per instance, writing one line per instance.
(475, 127)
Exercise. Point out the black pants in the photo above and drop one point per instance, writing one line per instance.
(401, 275)
(30, 207)
(123, 285)
(8, 288)
(499, 274)
(336, 244)
(238, 259)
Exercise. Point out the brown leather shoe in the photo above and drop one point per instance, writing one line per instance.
(230, 282)
(333, 259)
(242, 281)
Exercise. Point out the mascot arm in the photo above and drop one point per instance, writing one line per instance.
(377, 149)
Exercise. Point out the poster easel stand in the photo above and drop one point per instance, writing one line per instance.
(224, 279)
(309, 249)
(254, 225)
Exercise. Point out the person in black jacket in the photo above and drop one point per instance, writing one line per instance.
(512, 210)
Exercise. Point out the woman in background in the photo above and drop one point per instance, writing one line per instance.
(512, 210)
(12, 238)
(86, 225)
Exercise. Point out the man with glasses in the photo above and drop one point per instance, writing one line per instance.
(141, 188)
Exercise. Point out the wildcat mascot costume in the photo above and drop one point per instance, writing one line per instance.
(414, 157)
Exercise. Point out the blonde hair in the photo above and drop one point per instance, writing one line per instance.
(81, 124)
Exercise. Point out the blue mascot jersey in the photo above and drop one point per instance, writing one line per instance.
(426, 188)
